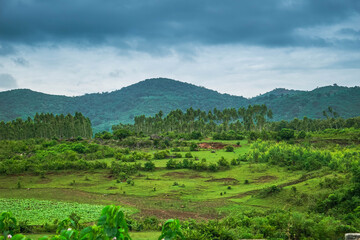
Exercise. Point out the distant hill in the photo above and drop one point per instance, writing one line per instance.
(152, 95)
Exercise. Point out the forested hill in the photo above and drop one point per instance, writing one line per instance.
(150, 96)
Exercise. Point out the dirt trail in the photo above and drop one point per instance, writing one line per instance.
(252, 192)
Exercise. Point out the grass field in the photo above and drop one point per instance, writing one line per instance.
(163, 193)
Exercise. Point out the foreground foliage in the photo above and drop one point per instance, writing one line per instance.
(111, 225)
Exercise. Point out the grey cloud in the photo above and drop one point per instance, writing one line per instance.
(21, 61)
(156, 23)
(5, 48)
(350, 31)
(116, 73)
(7, 81)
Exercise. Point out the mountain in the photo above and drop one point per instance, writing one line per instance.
(152, 95)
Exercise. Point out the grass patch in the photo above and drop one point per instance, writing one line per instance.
(38, 212)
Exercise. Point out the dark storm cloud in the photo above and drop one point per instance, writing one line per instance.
(169, 22)
(7, 81)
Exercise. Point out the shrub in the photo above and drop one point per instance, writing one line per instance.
(161, 155)
(177, 155)
(176, 149)
(222, 162)
(149, 166)
(213, 167)
(286, 134)
(172, 164)
(269, 191)
(229, 148)
(193, 147)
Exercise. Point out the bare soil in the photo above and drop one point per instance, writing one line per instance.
(222, 180)
(211, 145)
(182, 175)
(264, 179)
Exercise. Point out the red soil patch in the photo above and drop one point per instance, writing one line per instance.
(212, 145)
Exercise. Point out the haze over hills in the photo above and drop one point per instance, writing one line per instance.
(152, 95)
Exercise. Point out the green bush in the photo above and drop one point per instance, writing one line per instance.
(149, 166)
(229, 148)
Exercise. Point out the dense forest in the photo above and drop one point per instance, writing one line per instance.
(150, 96)
(47, 126)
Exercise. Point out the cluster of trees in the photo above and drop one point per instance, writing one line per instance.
(250, 118)
(302, 158)
(47, 126)
(332, 120)
(40, 155)
(228, 124)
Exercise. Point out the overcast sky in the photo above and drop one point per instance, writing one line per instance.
(240, 47)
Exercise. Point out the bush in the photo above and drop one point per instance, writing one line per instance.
(301, 135)
(193, 147)
(172, 164)
(161, 155)
(222, 162)
(177, 155)
(229, 148)
(286, 134)
(213, 167)
(196, 135)
(188, 155)
(269, 191)
(149, 166)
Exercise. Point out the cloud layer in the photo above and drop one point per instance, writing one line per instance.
(146, 24)
(239, 47)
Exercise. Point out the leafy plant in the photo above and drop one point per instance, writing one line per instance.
(113, 221)
(171, 229)
(7, 224)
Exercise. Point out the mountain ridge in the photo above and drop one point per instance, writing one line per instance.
(152, 95)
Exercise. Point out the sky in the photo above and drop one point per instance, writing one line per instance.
(239, 47)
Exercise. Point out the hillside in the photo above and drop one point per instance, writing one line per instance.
(149, 96)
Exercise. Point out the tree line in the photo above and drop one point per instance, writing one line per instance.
(331, 120)
(252, 118)
(227, 124)
(47, 126)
